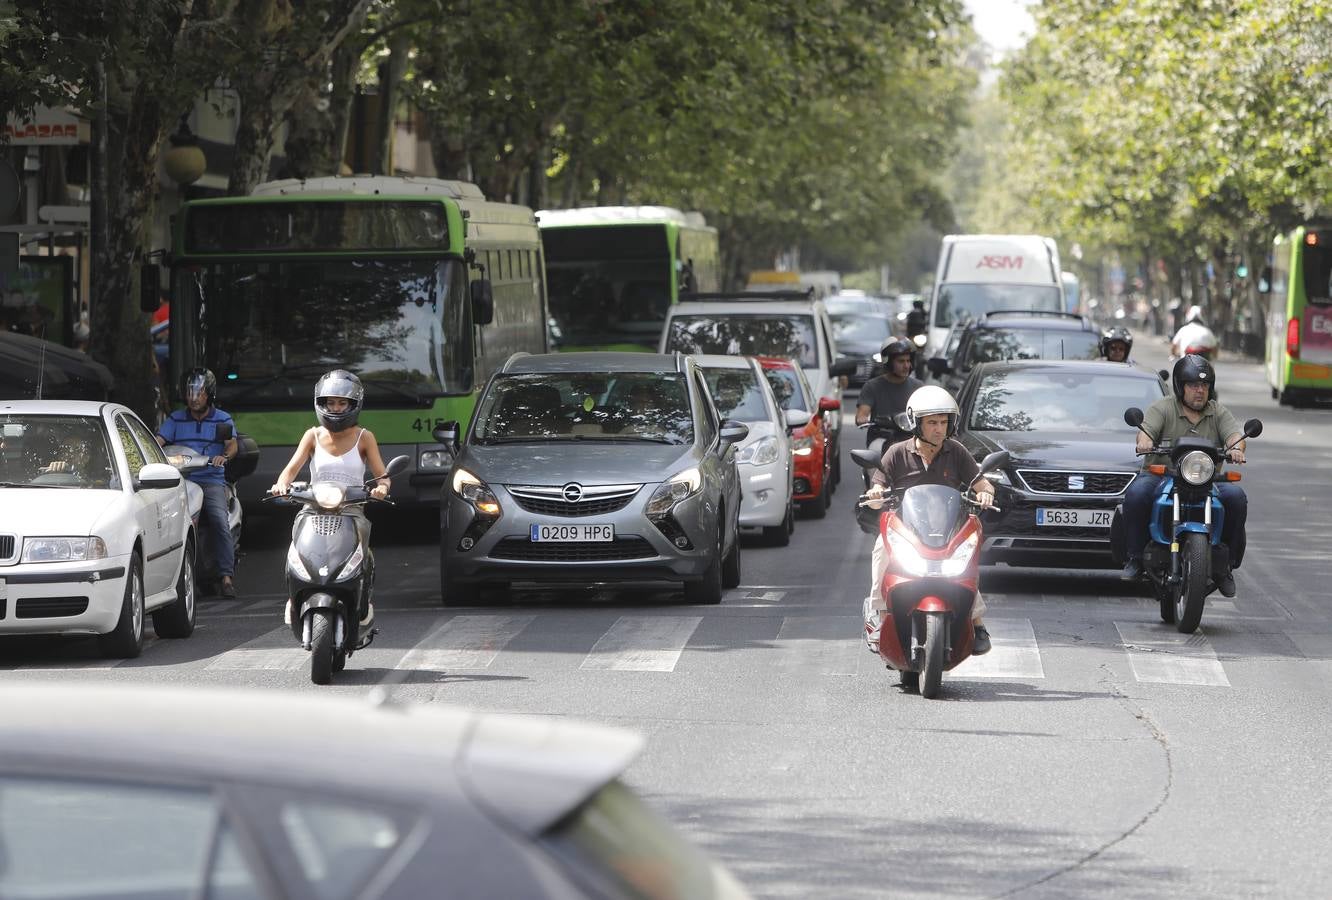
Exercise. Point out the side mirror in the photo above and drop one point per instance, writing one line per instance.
(483, 302)
(1265, 280)
(447, 434)
(397, 464)
(842, 367)
(938, 366)
(156, 475)
(733, 432)
(1163, 375)
(1133, 417)
(1253, 428)
(993, 462)
(150, 287)
(866, 459)
(224, 432)
(829, 404)
(796, 418)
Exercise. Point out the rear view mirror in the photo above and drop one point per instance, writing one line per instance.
(150, 287)
(993, 462)
(829, 404)
(483, 302)
(397, 464)
(1253, 428)
(1163, 375)
(796, 418)
(447, 434)
(1133, 416)
(223, 432)
(842, 367)
(733, 432)
(867, 459)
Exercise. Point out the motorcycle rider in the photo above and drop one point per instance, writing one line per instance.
(1194, 333)
(197, 427)
(917, 321)
(1116, 343)
(930, 456)
(886, 395)
(1191, 412)
(338, 453)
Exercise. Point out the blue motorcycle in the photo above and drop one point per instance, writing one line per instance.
(1186, 521)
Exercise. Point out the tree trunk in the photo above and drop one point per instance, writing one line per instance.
(447, 148)
(254, 139)
(317, 124)
(390, 81)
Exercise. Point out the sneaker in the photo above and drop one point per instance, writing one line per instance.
(1132, 570)
(980, 644)
(1225, 583)
(228, 590)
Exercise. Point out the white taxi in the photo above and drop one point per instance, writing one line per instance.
(95, 528)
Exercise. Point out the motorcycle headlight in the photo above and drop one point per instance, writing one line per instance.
(353, 566)
(329, 495)
(1196, 467)
(762, 452)
(476, 492)
(802, 446)
(62, 549)
(905, 555)
(671, 492)
(294, 563)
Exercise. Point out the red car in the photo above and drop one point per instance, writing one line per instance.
(812, 444)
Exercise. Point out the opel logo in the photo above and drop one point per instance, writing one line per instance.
(573, 492)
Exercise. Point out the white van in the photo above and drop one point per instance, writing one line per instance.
(980, 273)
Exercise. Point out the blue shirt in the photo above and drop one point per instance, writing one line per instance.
(200, 435)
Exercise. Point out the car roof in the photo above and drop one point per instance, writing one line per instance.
(777, 362)
(56, 407)
(528, 770)
(1080, 366)
(753, 303)
(1021, 319)
(593, 361)
(718, 361)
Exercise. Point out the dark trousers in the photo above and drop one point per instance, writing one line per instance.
(1138, 510)
(219, 530)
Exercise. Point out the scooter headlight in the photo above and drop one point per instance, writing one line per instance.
(297, 567)
(957, 563)
(1196, 467)
(329, 495)
(905, 555)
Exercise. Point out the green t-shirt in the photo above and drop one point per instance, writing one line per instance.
(1165, 421)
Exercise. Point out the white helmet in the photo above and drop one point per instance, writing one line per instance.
(931, 400)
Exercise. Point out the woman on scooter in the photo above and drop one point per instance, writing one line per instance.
(931, 456)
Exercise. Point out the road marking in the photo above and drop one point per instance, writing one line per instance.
(642, 644)
(1162, 655)
(464, 642)
(274, 650)
(1014, 652)
(819, 643)
(756, 595)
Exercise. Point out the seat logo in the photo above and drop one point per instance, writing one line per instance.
(572, 492)
(1076, 483)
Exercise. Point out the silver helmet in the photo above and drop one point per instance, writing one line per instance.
(343, 384)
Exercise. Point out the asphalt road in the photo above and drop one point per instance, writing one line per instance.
(1094, 751)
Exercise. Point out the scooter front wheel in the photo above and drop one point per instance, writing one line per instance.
(931, 675)
(321, 646)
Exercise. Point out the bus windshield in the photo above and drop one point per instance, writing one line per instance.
(268, 329)
(970, 301)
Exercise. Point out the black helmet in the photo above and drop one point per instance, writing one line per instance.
(897, 347)
(196, 380)
(1116, 333)
(343, 384)
(1192, 369)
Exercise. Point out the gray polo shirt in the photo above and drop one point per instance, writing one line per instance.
(1165, 421)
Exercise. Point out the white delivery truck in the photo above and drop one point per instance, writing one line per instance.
(980, 273)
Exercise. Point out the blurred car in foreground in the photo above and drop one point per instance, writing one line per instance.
(164, 793)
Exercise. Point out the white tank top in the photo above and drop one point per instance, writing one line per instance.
(349, 468)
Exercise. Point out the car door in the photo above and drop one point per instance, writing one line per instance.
(147, 504)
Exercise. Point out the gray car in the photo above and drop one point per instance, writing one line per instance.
(122, 792)
(593, 468)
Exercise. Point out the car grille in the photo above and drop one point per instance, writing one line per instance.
(326, 524)
(7, 546)
(1045, 481)
(595, 500)
(50, 607)
(530, 551)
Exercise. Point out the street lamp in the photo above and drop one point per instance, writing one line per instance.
(184, 162)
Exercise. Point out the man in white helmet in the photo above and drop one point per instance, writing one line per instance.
(931, 456)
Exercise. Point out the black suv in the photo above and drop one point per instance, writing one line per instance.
(1015, 334)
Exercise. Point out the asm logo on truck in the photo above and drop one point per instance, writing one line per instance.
(1000, 262)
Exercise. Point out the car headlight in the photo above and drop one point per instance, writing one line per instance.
(671, 492)
(476, 492)
(294, 563)
(762, 452)
(62, 549)
(353, 566)
(434, 460)
(919, 340)
(329, 494)
(802, 446)
(1196, 467)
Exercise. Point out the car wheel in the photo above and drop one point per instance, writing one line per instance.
(177, 620)
(818, 507)
(708, 589)
(730, 576)
(125, 641)
(780, 535)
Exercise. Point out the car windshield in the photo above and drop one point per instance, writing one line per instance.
(621, 406)
(55, 451)
(861, 327)
(1059, 401)
(786, 386)
(737, 395)
(991, 345)
(746, 335)
(970, 301)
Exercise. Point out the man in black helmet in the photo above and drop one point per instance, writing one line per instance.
(1192, 411)
(210, 432)
(886, 395)
(1116, 344)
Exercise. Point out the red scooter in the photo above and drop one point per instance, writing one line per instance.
(933, 541)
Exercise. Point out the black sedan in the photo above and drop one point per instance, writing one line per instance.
(1071, 455)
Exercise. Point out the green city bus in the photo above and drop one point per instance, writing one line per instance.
(615, 270)
(418, 285)
(1299, 315)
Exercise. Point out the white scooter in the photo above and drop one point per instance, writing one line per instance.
(187, 460)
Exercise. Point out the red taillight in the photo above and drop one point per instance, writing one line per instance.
(1293, 338)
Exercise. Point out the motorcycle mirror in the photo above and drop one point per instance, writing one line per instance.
(1133, 416)
(1253, 428)
(1163, 374)
(396, 465)
(867, 459)
(903, 422)
(992, 462)
(223, 432)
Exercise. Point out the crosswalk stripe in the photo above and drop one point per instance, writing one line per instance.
(642, 644)
(1164, 656)
(464, 642)
(274, 650)
(1014, 652)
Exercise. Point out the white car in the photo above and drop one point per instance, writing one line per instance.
(764, 458)
(95, 526)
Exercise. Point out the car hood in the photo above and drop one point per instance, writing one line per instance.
(1113, 451)
(586, 462)
(71, 512)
